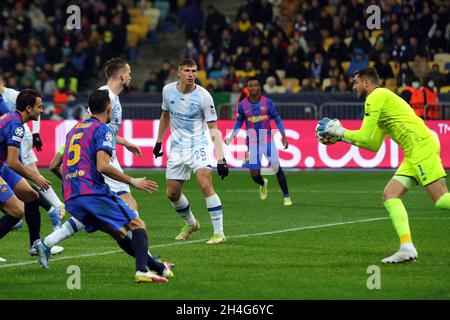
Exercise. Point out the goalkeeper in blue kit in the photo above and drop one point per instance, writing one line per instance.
(385, 113)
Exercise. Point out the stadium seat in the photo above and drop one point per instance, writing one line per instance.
(281, 74)
(202, 77)
(163, 7)
(345, 65)
(348, 40)
(324, 33)
(376, 33)
(331, 10)
(325, 83)
(210, 82)
(293, 82)
(395, 67)
(327, 43)
(134, 12)
(152, 15)
(442, 57)
(306, 64)
(391, 84)
(372, 64)
(445, 89)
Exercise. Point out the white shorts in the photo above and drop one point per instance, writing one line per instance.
(116, 186)
(26, 148)
(182, 163)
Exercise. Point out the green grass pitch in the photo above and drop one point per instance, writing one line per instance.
(320, 248)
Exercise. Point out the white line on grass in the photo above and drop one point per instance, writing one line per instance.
(202, 240)
(305, 191)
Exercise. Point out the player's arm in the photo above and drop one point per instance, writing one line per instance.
(15, 164)
(237, 125)
(55, 164)
(273, 113)
(163, 124)
(37, 143)
(129, 145)
(104, 167)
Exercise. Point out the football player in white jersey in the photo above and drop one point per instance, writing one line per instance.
(190, 110)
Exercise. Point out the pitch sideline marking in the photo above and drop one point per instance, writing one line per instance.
(203, 240)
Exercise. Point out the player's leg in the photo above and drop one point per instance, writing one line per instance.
(181, 205)
(48, 194)
(127, 197)
(53, 212)
(262, 182)
(12, 207)
(274, 160)
(393, 193)
(213, 204)
(438, 192)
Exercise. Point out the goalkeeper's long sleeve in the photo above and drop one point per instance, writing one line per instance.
(369, 136)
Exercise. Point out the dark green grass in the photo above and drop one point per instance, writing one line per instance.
(328, 262)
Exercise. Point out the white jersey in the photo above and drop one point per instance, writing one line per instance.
(189, 114)
(116, 116)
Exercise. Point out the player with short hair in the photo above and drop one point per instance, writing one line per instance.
(385, 113)
(87, 156)
(190, 109)
(13, 172)
(257, 111)
(48, 198)
(118, 74)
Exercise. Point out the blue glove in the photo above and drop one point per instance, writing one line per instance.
(321, 127)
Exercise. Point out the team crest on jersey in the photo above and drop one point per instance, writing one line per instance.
(263, 109)
(19, 132)
(213, 110)
(108, 136)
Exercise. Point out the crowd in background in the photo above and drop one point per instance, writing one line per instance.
(285, 39)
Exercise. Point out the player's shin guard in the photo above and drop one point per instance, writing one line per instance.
(399, 218)
(67, 229)
(215, 212)
(443, 202)
(183, 208)
(281, 177)
(33, 219)
(140, 248)
(6, 224)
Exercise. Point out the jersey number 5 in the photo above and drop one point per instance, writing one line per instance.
(75, 148)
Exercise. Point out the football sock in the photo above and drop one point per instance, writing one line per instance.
(6, 223)
(399, 219)
(140, 248)
(282, 182)
(42, 201)
(258, 179)
(215, 212)
(67, 229)
(33, 219)
(51, 197)
(444, 201)
(126, 245)
(184, 210)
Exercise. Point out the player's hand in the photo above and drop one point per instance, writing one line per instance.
(326, 126)
(134, 149)
(37, 143)
(144, 184)
(42, 183)
(222, 168)
(157, 150)
(285, 142)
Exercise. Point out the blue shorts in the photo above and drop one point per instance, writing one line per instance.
(11, 177)
(8, 180)
(95, 211)
(255, 152)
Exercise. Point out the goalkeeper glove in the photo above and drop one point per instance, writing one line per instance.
(333, 127)
(37, 143)
(222, 168)
(157, 150)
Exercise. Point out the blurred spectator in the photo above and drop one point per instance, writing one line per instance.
(338, 50)
(438, 43)
(190, 51)
(163, 73)
(414, 95)
(220, 67)
(360, 41)
(191, 17)
(383, 68)
(399, 52)
(317, 68)
(420, 67)
(333, 69)
(343, 86)
(377, 49)
(248, 72)
(359, 60)
(45, 84)
(266, 72)
(437, 77)
(309, 85)
(215, 24)
(244, 23)
(270, 86)
(173, 76)
(243, 57)
(53, 53)
(415, 49)
(431, 100)
(206, 58)
(264, 13)
(405, 75)
(279, 53)
(333, 87)
(152, 85)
